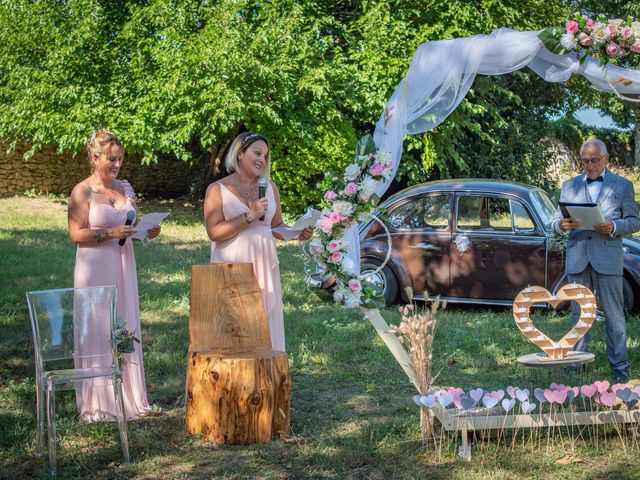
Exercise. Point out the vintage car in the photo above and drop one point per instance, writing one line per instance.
(472, 241)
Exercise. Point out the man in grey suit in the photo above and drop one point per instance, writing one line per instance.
(595, 257)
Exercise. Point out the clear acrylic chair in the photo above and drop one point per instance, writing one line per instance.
(73, 330)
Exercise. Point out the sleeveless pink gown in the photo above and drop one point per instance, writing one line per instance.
(108, 263)
(255, 244)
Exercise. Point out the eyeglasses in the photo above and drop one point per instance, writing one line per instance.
(591, 161)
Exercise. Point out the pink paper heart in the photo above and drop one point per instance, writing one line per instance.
(575, 391)
(602, 386)
(588, 390)
(556, 386)
(511, 391)
(618, 386)
(607, 399)
(555, 396)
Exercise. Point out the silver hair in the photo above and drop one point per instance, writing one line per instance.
(239, 145)
(598, 143)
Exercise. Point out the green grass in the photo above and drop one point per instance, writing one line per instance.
(352, 413)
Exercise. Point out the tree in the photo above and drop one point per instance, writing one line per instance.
(185, 77)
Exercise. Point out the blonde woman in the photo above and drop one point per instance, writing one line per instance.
(239, 223)
(98, 210)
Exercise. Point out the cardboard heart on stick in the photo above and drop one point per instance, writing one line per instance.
(570, 292)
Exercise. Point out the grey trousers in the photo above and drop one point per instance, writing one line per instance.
(608, 291)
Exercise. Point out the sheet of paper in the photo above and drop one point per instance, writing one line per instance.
(150, 220)
(309, 219)
(588, 214)
(287, 233)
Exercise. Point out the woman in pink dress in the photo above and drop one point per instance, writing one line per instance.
(98, 210)
(239, 223)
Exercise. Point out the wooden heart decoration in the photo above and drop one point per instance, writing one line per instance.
(570, 292)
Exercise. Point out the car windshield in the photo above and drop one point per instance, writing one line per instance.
(543, 205)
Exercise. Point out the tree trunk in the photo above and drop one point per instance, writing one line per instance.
(238, 398)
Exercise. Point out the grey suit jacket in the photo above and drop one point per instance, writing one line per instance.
(617, 202)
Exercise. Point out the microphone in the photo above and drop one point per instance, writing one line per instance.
(131, 215)
(262, 190)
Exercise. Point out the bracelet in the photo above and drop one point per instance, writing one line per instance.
(101, 235)
(248, 218)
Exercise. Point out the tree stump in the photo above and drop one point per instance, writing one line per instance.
(238, 387)
(238, 397)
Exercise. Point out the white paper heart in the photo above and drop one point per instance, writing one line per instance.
(508, 404)
(522, 395)
(428, 400)
(571, 292)
(528, 407)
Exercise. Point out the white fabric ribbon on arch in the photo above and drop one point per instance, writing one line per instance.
(441, 73)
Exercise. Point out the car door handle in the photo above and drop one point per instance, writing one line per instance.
(427, 246)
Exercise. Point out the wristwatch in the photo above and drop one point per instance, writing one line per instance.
(248, 218)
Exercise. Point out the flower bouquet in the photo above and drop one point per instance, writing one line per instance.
(123, 340)
(607, 40)
(348, 199)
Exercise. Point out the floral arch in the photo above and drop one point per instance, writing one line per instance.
(439, 76)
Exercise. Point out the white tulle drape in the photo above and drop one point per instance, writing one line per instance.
(441, 73)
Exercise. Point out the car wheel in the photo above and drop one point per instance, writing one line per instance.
(383, 282)
(629, 296)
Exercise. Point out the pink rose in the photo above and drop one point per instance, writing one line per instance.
(351, 189)
(336, 257)
(337, 296)
(627, 33)
(335, 217)
(355, 285)
(315, 249)
(613, 49)
(325, 224)
(572, 26)
(590, 23)
(334, 245)
(585, 40)
(612, 30)
(636, 46)
(364, 196)
(376, 170)
(330, 196)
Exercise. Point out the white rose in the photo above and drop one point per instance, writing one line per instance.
(348, 265)
(383, 157)
(616, 21)
(351, 172)
(635, 26)
(568, 41)
(600, 34)
(343, 207)
(368, 185)
(351, 300)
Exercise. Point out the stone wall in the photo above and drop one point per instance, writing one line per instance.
(49, 172)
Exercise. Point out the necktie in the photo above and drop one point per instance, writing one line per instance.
(591, 180)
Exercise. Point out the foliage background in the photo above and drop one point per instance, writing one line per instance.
(184, 77)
